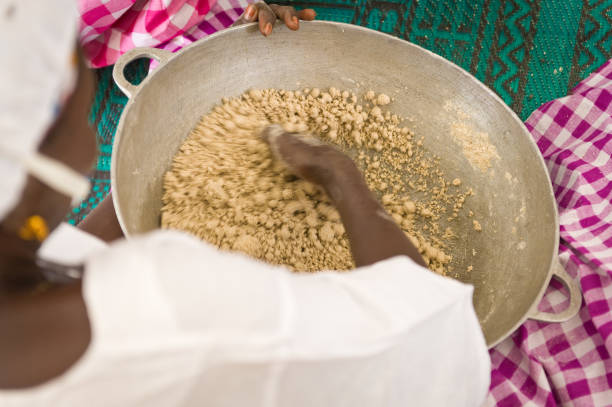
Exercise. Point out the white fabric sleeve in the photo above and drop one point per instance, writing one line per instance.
(413, 330)
(70, 245)
(247, 333)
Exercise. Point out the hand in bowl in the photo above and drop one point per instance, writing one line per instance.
(373, 234)
(308, 157)
(267, 14)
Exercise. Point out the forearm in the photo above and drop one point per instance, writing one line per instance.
(102, 221)
(372, 233)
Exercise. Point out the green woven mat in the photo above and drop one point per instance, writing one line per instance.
(528, 52)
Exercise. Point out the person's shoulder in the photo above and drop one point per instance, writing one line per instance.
(171, 283)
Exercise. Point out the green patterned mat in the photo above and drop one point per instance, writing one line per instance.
(528, 51)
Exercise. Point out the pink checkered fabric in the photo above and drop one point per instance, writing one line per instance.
(569, 364)
(109, 28)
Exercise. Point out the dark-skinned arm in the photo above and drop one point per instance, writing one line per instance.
(102, 221)
(372, 233)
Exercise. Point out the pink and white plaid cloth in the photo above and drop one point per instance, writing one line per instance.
(569, 364)
(109, 28)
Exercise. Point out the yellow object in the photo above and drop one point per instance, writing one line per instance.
(34, 228)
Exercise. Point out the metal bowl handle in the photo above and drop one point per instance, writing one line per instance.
(575, 296)
(160, 55)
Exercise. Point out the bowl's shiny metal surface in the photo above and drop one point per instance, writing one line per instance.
(515, 254)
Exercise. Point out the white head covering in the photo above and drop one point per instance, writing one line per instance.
(37, 43)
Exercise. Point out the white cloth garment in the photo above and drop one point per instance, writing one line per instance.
(70, 246)
(178, 323)
(37, 44)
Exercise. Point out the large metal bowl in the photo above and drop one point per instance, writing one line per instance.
(515, 253)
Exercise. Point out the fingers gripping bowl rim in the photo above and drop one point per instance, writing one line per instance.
(515, 254)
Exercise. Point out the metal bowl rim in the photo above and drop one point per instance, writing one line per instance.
(168, 65)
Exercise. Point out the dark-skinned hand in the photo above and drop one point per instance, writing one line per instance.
(267, 14)
(373, 234)
(306, 156)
